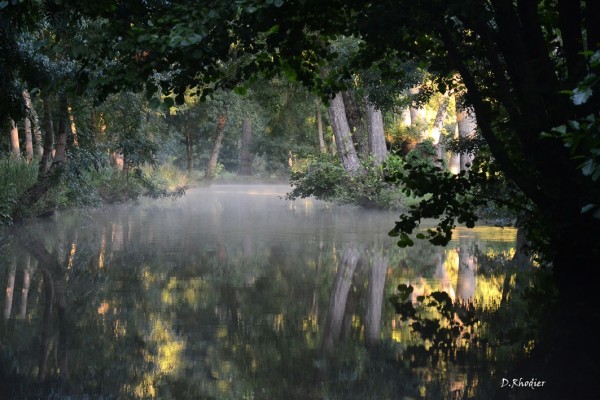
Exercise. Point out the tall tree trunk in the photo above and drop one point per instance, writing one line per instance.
(376, 132)
(214, 154)
(466, 129)
(28, 139)
(35, 121)
(48, 136)
(355, 119)
(375, 300)
(245, 153)
(14, 139)
(417, 115)
(322, 146)
(454, 163)
(189, 147)
(438, 122)
(74, 137)
(343, 137)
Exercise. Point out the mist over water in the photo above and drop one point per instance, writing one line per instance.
(228, 292)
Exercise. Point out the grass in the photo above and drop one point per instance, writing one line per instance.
(16, 176)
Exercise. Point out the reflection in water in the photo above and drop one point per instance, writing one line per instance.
(232, 293)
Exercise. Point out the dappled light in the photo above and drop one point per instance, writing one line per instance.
(230, 292)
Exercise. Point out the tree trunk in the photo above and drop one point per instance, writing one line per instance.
(375, 300)
(466, 129)
(417, 115)
(376, 134)
(28, 139)
(343, 137)
(73, 137)
(14, 139)
(33, 117)
(322, 146)
(454, 163)
(48, 136)
(356, 119)
(189, 148)
(438, 123)
(246, 155)
(214, 154)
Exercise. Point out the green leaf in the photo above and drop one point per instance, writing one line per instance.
(588, 167)
(581, 95)
(587, 208)
(405, 241)
(562, 129)
(241, 90)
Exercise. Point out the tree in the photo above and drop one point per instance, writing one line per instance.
(246, 155)
(14, 139)
(376, 134)
(216, 146)
(343, 136)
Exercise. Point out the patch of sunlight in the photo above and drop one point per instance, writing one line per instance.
(103, 308)
(119, 328)
(356, 322)
(190, 291)
(529, 347)
(102, 251)
(170, 347)
(488, 290)
(452, 262)
(72, 255)
(223, 386)
(507, 254)
(221, 332)
(400, 331)
(488, 233)
(278, 320)
(148, 277)
(144, 389)
(310, 323)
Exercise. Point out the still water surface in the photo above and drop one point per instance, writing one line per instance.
(230, 293)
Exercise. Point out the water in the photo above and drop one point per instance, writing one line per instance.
(235, 293)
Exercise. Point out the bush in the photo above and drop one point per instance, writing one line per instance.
(324, 178)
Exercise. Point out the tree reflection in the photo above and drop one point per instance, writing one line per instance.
(339, 296)
(234, 308)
